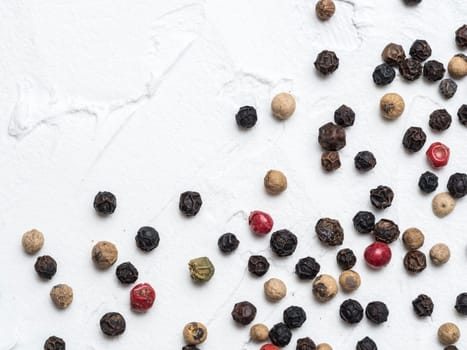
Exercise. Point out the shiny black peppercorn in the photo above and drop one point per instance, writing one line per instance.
(462, 114)
(428, 182)
(147, 238)
(351, 311)
(386, 231)
(305, 344)
(364, 222)
(420, 50)
(54, 343)
(307, 268)
(461, 304)
(228, 242)
(346, 259)
(190, 203)
(364, 161)
(457, 185)
(283, 242)
(377, 312)
(329, 231)
(433, 70)
(366, 344)
(440, 120)
(112, 324)
(258, 265)
(280, 334)
(344, 116)
(461, 37)
(105, 203)
(246, 117)
(127, 273)
(447, 87)
(46, 267)
(414, 139)
(244, 312)
(423, 305)
(326, 62)
(294, 316)
(331, 137)
(383, 74)
(410, 69)
(381, 197)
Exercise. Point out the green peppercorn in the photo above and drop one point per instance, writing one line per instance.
(201, 269)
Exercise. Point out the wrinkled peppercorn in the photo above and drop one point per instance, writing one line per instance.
(294, 316)
(330, 160)
(244, 312)
(307, 268)
(462, 114)
(280, 334)
(147, 238)
(46, 267)
(54, 343)
(305, 344)
(127, 273)
(283, 242)
(351, 311)
(258, 265)
(324, 288)
(410, 69)
(367, 343)
(325, 9)
(190, 203)
(344, 116)
(461, 37)
(364, 222)
(326, 62)
(423, 305)
(381, 197)
(142, 297)
(190, 347)
(414, 139)
(228, 242)
(112, 324)
(201, 269)
(377, 312)
(386, 231)
(329, 231)
(105, 203)
(420, 50)
(447, 87)
(331, 137)
(440, 120)
(433, 70)
(246, 117)
(104, 254)
(195, 333)
(364, 161)
(346, 259)
(428, 182)
(415, 261)
(393, 54)
(383, 74)
(457, 185)
(461, 304)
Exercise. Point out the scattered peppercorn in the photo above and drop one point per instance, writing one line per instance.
(294, 316)
(383, 74)
(246, 117)
(259, 332)
(377, 312)
(190, 203)
(324, 346)
(275, 289)
(420, 50)
(46, 267)
(364, 161)
(392, 105)
(364, 222)
(461, 304)
(228, 242)
(448, 333)
(326, 62)
(457, 66)
(244, 312)
(32, 241)
(269, 347)
(283, 242)
(275, 182)
(195, 333)
(440, 254)
(440, 120)
(451, 347)
(428, 182)
(54, 343)
(351, 311)
(415, 261)
(346, 259)
(457, 185)
(366, 344)
(201, 269)
(260, 222)
(324, 288)
(325, 9)
(258, 265)
(386, 231)
(393, 54)
(127, 273)
(423, 305)
(462, 114)
(414, 139)
(105, 203)
(443, 204)
(447, 88)
(410, 69)
(412, 2)
(433, 70)
(329, 231)
(307, 268)
(438, 154)
(280, 334)
(331, 137)
(461, 37)
(190, 347)
(330, 160)
(112, 324)
(142, 297)
(381, 197)
(147, 238)
(344, 116)
(62, 296)
(413, 238)
(104, 254)
(305, 344)
(283, 106)
(349, 281)
(377, 255)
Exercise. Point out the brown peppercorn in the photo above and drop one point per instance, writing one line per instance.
(461, 37)
(259, 332)
(32, 241)
(324, 288)
(275, 289)
(415, 261)
(413, 238)
(275, 182)
(386, 231)
(448, 333)
(381, 197)
(410, 69)
(392, 105)
(330, 160)
(393, 54)
(457, 66)
(283, 106)
(244, 312)
(349, 281)
(195, 333)
(325, 9)
(440, 254)
(329, 231)
(324, 346)
(62, 295)
(104, 254)
(440, 120)
(443, 204)
(327, 62)
(331, 137)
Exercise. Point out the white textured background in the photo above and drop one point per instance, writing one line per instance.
(138, 97)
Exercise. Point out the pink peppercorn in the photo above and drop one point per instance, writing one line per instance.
(269, 347)
(438, 154)
(260, 222)
(142, 297)
(378, 255)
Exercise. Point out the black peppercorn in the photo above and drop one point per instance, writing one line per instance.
(412, 2)
(457, 185)
(423, 305)
(366, 344)
(127, 273)
(420, 50)
(414, 139)
(344, 116)
(364, 161)
(451, 347)
(105, 203)
(190, 203)
(377, 312)
(294, 316)
(112, 324)
(280, 334)
(331, 137)
(329, 231)
(410, 69)
(258, 265)
(246, 117)
(415, 261)
(462, 114)
(54, 343)
(46, 267)
(364, 222)
(147, 238)
(447, 87)
(433, 70)
(307, 268)
(428, 182)
(440, 120)
(244, 312)
(381, 197)
(346, 259)
(190, 347)
(383, 74)
(461, 304)
(326, 62)
(351, 311)
(330, 160)
(305, 344)
(461, 37)
(283, 242)
(228, 242)
(386, 231)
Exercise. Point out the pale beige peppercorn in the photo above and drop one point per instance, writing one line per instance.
(32, 241)
(104, 254)
(448, 333)
(443, 204)
(275, 289)
(195, 333)
(457, 66)
(62, 295)
(275, 182)
(324, 288)
(349, 281)
(259, 332)
(392, 105)
(283, 106)
(324, 346)
(413, 238)
(325, 9)
(440, 254)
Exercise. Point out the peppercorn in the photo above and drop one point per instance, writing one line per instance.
(46, 267)
(283, 106)
(244, 312)
(364, 161)
(201, 269)
(451, 347)
(383, 74)
(377, 312)
(195, 333)
(190, 203)
(423, 305)
(414, 139)
(461, 304)
(280, 334)
(344, 116)
(275, 289)
(364, 222)
(351, 311)
(440, 254)
(393, 54)
(420, 50)
(457, 185)
(377, 255)
(112, 324)
(386, 231)
(440, 120)
(413, 238)
(258, 265)
(62, 296)
(147, 238)
(32, 241)
(275, 182)
(127, 273)
(307, 268)
(461, 37)
(457, 66)
(228, 242)
(259, 332)
(447, 88)
(246, 117)
(142, 297)
(326, 62)
(438, 154)
(448, 333)
(294, 316)
(324, 288)
(54, 343)
(331, 137)
(433, 70)
(412, 2)
(190, 347)
(443, 204)
(260, 222)
(366, 344)
(269, 347)
(305, 344)
(330, 160)
(349, 281)
(324, 346)
(462, 114)
(392, 106)
(346, 259)
(104, 254)
(381, 197)
(329, 231)
(410, 69)
(325, 9)
(283, 242)
(428, 182)
(415, 261)
(105, 203)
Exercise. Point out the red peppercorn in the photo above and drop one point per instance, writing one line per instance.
(438, 154)
(142, 297)
(260, 222)
(269, 347)
(378, 255)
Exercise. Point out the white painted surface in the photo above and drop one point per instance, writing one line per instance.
(139, 97)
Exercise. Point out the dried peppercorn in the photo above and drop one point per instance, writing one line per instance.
(415, 261)
(326, 62)
(412, 2)
(104, 254)
(32, 241)
(228, 242)
(461, 304)
(195, 333)
(325, 9)
(280, 334)
(305, 344)
(423, 305)
(105, 203)
(443, 204)
(283, 106)
(190, 347)
(377, 255)
(381, 197)
(457, 185)
(147, 238)
(383, 74)
(447, 88)
(462, 114)
(190, 203)
(457, 66)
(461, 36)
(283, 242)
(392, 106)
(346, 259)
(440, 254)
(142, 297)
(294, 316)
(433, 70)
(414, 139)
(331, 137)
(329, 231)
(428, 182)
(349, 281)
(54, 343)
(366, 344)
(260, 222)
(269, 347)
(410, 69)
(246, 117)
(364, 161)
(344, 116)
(127, 273)
(307, 268)
(377, 312)
(275, 289)
(413, 238)
(244, 312)
(330, 160)
(448, 333)
(438, 154)
(393, 54)
(451, 347)
(440, 120)
(46, 267)
(112, 324)
(201, 269)
(364, 222)
(324, 346)
(275, 182)
(386, 231)
(62, 296)
(420, 50)
(324, 288)
(258, 265)
(351, 311)
(259, 332)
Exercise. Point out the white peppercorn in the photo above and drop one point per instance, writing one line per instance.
(32, 241)
(275, 289)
